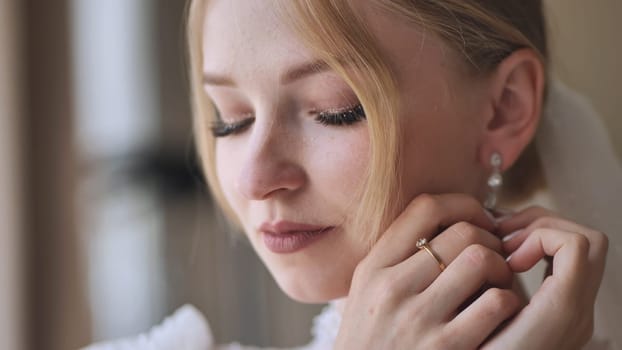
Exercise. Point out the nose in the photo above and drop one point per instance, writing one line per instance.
(272, 165)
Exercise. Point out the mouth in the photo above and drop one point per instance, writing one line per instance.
(287, 237)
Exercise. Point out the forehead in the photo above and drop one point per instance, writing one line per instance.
(244, 35)
(243, 38)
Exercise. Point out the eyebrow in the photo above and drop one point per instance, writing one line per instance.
(295, 73)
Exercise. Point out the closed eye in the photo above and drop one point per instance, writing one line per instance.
(222, 129)
(342, 117)
(346, 116)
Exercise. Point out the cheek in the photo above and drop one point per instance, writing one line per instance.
(228, 163)
(338, 162)
(439, 151)
(334, 159)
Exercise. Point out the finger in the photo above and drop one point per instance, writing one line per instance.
(425, 217)
(535, 327)
(598, 241)
(522, 219)
(474, 267)
(569, 251)
(423, 269)
(479, 320)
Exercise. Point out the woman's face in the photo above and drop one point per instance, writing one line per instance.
(294, 147)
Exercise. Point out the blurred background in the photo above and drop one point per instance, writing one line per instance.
(105, 224)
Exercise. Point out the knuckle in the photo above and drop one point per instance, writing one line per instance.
(601, 242)
(476, 254)
(426, 203)
(501, 299)
(472, 201)
(469, 201)
(466, 231)
(543, 222)
(581, 243)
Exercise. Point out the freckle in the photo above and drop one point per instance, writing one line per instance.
(371, 311)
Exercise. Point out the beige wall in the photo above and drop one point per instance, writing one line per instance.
(10, 247)
(587, 54)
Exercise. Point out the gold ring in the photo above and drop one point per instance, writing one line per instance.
(422, 243)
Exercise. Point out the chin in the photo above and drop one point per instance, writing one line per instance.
(312, 288)
(316, 274)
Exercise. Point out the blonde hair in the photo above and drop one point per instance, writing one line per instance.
(483, 32)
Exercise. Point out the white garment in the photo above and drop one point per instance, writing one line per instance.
(585, 184)
(584, 178)
(187, 329)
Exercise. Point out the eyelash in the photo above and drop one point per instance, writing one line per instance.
(343, 117)
(222, 129)
(346, 116)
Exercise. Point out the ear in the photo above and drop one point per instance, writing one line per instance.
(517, 87)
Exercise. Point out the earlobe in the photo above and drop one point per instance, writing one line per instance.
(517, 89)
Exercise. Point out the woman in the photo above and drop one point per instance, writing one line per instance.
(363, 146)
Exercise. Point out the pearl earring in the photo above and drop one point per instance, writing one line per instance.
(494, 181)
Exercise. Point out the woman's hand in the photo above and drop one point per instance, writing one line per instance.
(560, 314)
(399, 299)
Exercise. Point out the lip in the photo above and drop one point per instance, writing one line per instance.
(285, 237)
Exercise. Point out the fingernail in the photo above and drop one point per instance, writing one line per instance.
(511, 235)
(490, 215)
(504, 211)
(502, 218)
(499, 214)
(508, 258)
